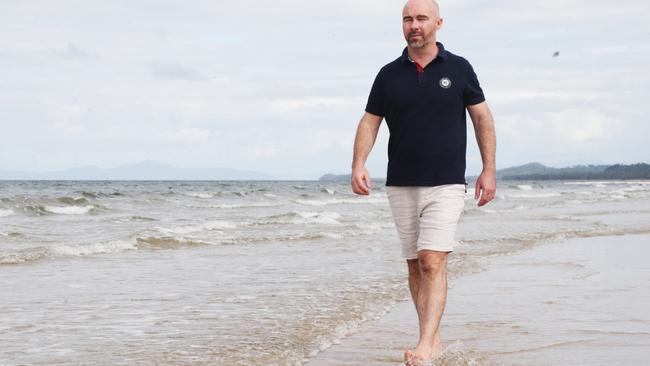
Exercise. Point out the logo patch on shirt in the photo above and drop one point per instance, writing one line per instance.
(445, 83)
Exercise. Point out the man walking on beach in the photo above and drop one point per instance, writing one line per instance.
(423, 95)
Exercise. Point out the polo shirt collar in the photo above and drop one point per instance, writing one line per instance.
(442, 53)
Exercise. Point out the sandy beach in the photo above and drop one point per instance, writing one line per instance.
(578, 302)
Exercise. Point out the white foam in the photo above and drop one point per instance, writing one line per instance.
(635, 188)
(300, 217)
(69, 210)
(504, 210)
(587, 183)
(332, 235)
(6, 212)
(247, 205)
(535, 195)
(320, 217)
(378, 198)
(204, 226)
(199, 194)
(369, 227)
(96, 248)
(525, 187)
(617, 197)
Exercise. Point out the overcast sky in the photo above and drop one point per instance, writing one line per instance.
(278, 87)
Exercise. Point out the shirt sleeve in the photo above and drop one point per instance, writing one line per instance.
(377, 96)
(472, 93)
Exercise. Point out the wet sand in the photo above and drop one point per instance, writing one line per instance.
(578, 302)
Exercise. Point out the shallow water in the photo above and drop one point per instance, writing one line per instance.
(242, 273)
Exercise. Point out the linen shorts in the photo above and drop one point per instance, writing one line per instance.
(426, 217)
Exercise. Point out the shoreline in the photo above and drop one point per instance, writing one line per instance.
(576, 301)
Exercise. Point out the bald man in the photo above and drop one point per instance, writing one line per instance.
(423, 95)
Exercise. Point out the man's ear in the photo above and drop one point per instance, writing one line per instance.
(439, 23)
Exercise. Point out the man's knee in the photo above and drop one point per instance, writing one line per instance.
(431, 262)
(414, 267)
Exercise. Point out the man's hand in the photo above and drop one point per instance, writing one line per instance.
(361, 181)
(486, 187)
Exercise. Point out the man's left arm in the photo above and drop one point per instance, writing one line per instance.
(486, 184)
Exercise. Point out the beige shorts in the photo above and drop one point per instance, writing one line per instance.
(426, 217)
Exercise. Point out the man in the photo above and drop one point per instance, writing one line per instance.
(423, 95)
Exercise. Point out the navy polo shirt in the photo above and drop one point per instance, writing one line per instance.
(425, 113)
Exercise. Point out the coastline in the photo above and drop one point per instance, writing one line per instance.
(579, 301)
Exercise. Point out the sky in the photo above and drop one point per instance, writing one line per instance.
(279, 87)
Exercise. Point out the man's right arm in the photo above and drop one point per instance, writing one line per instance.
(363, 143)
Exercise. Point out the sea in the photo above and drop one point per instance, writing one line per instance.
(243, 272)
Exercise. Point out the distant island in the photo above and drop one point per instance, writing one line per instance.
(144, 170)
(537, 171)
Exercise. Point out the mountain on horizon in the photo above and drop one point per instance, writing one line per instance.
(143, 170)
(538, 171)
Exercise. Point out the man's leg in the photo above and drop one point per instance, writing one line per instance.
(428, 285)
(414, 286)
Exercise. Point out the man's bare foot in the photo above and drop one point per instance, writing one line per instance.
(422, 356)
(413, 358)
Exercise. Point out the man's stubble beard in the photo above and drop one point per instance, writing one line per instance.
(417, 44)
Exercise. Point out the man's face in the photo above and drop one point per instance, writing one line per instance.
(420, 21)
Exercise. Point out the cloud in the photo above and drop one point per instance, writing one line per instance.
(187, 136)
(575, 126)
(287, 105)
(72, 52)
(174, 71)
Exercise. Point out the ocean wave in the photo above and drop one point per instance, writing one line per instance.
(358, 200)
(588, 183)
(299, 217)
(534, 195)
(37, 210)
(502, 210)
(87, 194)
(203, 226)
(524, 187)
(244, 205)
(24, 256)
(373, 227)
(636, 188)
(198, 194)
(328, 191)
(167, 242)
(6, 212)
(71, 210)
(115, 246)
(308, 236)
(141, 218)
(39, 253)
(602, 184)
(72, 201)
(94, 195)
(11, 234)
